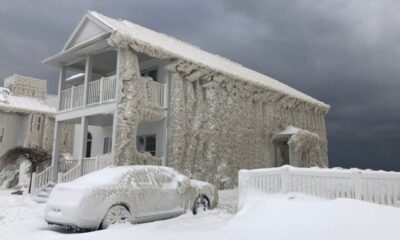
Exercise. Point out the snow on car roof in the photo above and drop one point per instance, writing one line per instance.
(112, 175)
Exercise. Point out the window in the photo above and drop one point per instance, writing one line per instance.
(88, 145)
(146, 144)
(39, 121)
(107, 145)
(150, 73)
(2, 130)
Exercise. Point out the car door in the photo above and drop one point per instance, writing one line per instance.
(170, 204)
(145, 195)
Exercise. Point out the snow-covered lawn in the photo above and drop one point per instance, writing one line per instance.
(291, 216)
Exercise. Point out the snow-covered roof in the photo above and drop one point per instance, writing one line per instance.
(194, 54)
(173, 48)
(24, 104)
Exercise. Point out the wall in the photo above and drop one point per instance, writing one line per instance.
(14, 135)
(219, 126)
(98, 135)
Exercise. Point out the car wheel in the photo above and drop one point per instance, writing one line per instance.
(116, 214)
(201, 204)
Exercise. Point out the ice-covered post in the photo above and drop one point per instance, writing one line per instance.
(357, 184)
(33, 182)
(242, 186)
(83, 143)
(96, 163)
(284, 179)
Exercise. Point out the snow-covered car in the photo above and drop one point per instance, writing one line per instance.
(127, 194)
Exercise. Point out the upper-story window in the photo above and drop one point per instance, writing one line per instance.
(2, 131)
(152, 72)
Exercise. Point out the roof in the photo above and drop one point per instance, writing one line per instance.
(181, 50)
(23, 104)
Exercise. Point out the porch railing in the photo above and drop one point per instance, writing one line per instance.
(88, 165)
(39, 180)
(99, 91)
(66, 165)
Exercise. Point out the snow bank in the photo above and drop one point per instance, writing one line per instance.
(264, 216)
(296, 216)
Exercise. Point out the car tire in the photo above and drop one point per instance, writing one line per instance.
(201, 204)
(116, 214)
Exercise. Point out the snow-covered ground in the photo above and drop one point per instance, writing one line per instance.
(291, 216)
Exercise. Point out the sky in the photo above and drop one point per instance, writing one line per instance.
(343, 52)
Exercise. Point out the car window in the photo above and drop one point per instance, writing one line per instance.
(149, 176)
(164, 177)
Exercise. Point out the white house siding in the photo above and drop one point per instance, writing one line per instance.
(13, 134)
(98, 135)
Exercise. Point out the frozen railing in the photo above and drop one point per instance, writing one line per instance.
(69, 170)
(155, 92)
(101, 90)
(88, 165)
(39, 180)
(373, 186)
(98, 91)
(66, 165)
(70, 175)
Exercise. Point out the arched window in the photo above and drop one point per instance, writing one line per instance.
(89, 145)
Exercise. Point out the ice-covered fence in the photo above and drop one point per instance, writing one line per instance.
(373, 186)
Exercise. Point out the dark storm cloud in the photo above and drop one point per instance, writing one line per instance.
(343, 52)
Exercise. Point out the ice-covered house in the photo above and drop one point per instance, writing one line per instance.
(156, 100)
(27, 115)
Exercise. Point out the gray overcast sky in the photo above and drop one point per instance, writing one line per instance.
(343, 52)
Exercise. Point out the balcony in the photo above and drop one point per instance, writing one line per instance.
(98, 91)
(103, 90)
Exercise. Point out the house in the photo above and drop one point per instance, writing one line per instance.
(27, 115)
(156, 100)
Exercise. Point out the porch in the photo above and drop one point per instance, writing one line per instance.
(94, 148)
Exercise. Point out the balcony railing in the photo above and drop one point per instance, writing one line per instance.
(99, 91)
(104, 90)
(155, 92)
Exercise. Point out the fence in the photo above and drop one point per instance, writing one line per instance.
(372, 186)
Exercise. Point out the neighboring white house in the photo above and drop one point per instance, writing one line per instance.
(141, 97)
(27, 116)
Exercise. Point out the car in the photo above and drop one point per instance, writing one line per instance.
(121, 194)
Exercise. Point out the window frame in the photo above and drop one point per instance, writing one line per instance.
(145, 137)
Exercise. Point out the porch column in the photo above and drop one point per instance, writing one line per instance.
(114, 136)
(55, 155)
(88, 76)
(83, 141)
(61, 83)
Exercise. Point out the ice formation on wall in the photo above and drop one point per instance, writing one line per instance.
(132, 107)
(218, 123)
(229, 125)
